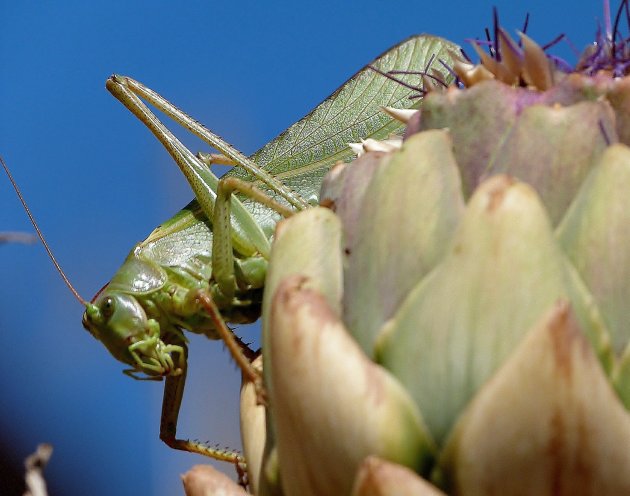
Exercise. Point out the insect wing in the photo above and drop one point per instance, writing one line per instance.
(302, 154)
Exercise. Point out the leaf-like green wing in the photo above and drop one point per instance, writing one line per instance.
(301, 155)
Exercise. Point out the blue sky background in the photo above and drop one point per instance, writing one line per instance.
(98, 182)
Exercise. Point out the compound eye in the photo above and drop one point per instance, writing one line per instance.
(107, 307)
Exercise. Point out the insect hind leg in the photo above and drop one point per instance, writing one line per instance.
(171, 403)
(210, 138)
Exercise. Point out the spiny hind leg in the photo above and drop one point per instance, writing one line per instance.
(250, 354)
(115, 83)
(171, 404)
(201, 179)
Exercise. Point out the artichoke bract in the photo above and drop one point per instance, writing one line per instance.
(456, 321)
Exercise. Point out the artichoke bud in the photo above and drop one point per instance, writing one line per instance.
(455, 321)
(548, 413)
(316, 363)
(378, 477)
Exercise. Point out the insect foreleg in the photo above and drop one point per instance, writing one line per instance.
(162, 363)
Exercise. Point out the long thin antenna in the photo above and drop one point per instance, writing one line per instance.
(41, 236)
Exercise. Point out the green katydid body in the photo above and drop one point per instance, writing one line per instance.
(152, 291)
(141, 313)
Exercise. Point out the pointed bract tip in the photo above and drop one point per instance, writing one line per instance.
(402, 115)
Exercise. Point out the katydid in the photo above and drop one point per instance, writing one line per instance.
(206, 266)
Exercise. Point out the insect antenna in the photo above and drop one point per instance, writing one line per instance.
(41, 236)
